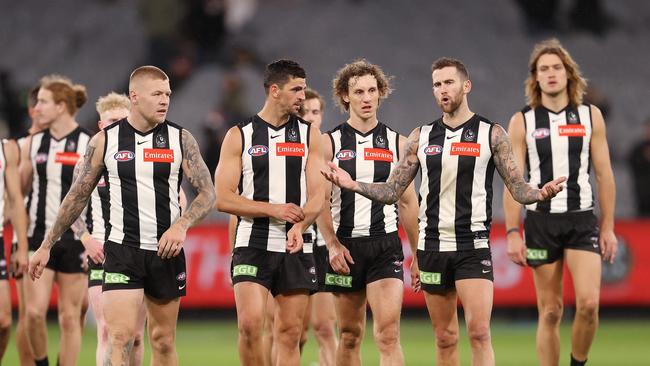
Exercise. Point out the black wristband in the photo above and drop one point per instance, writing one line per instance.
(512, 230)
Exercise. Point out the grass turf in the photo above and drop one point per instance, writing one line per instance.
(214, 342)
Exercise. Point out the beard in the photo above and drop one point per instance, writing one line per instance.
(453, 105)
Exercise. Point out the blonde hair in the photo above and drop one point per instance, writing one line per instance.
(74, 96)
(358, 68)
(576, 84)
(111, 101)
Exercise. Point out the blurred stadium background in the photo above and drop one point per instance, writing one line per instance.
(215, 52)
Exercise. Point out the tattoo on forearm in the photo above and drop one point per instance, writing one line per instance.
(199, 176)
(504, 161)
(77, 197)
(399, 178)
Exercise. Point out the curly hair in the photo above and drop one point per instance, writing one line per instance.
(354, 70)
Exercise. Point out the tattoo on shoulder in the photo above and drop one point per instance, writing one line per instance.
(199, 177)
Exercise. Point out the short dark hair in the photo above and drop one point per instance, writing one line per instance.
(450, 62)
(279, 72)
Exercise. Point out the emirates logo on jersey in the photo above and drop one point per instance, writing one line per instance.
(377, 154)
(572, 130)
(124, 155)
(466, 149)
(541, 133)
(289, 149)
(433, 150)
(158, 155)
(258, 150)
(344, 155)
(66, 158)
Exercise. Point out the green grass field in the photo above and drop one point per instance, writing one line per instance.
(214, 342)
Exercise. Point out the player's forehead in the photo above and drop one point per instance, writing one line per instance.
(311, 104)
(152, 85)
(445, 73)
(114, 114)
(295, 83)
(362, 82)
(549, 59)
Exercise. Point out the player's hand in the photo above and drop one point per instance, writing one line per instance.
(416, 285)
(551, 189)
(288, 212)
(339, 258)
(38, 262)
(516, 249)
(19, 262)
(608, 245)
(294, 239)
(171, 241)
(94, 249)
(338, 176)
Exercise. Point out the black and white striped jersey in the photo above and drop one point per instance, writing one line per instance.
(143, 175)
(273, 171)
(456, 191)
(3, 167)
(369, 158)
(99, 210)
(558, 144)
(53, 163)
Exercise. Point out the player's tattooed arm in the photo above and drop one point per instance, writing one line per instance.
(400, 177)
(199, 177)
(504, 160)
(89, 172)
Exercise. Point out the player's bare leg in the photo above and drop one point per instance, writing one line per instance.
(289, 314)
(444, 318)
(351, 314)
(162, 317)
(72, 291)
(585, 268)
(476, 294)
(250, 299)
(5, 316)
(385, 300)
(548, 285)
(121, 315)
(323, 320)
(37, 300)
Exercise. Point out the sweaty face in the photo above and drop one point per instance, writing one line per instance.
(150, 99)
(46, 110)
(312, 112)
(111, 116)
(449, 88)
(363, 96)
(291, 95)
(551, 74)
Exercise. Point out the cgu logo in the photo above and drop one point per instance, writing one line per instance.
(124, 155)
(541, 133)
(258, 150)
(433, 150)
(346, 155)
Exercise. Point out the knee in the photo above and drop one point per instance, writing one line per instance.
(351, 337)
(479, 333)
(446, 339)
(587, 309)
(68, 321)
(162, 342)
(387, 336)
(5, 321)
(251, 327)
(324, 330)
(34, 315)
(551, 314)
(138, 339)
(289, 334)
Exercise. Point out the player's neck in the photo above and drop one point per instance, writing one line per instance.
(362, 125)
(457, 117)
(555, 103)
(140, 123)
(273, 115)
(34, 129)
(63, 126)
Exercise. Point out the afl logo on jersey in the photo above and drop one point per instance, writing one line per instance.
(124, 155)
(40, 158)
(346, 155)
(433, 150)
(258, 150)
(541, 133)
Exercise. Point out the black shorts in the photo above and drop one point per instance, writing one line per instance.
(66, 256)
(439, 271)
(549, 234)
(127, 267)
(95, 273)
(281, 273)
(322, 259)
(4, 268)
(375, 258)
